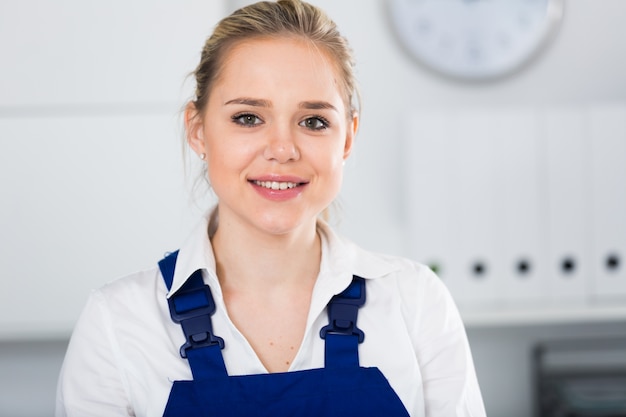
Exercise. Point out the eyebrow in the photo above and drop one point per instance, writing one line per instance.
(316, 105)
(256, 102)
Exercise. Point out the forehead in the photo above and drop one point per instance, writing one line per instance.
(261, 63)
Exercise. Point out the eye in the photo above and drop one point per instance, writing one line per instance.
(247, 119)
(315, 123)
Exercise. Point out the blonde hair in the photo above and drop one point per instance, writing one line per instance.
(276, 19)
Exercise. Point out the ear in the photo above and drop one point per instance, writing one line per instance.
(194, 128)
(353, 127)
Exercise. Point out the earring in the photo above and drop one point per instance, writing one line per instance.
(203, 156)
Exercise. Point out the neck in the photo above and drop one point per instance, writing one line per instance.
(249, 259)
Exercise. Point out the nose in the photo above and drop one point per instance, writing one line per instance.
(281, 146)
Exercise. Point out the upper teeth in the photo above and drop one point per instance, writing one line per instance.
(275, 185)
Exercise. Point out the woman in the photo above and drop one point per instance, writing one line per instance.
(279, 315)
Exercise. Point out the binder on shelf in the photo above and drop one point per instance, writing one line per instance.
(426, 165)
(607, 134)
(517, 193)
(476, 260)
(567, 166)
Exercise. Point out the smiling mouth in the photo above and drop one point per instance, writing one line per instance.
(276, 185)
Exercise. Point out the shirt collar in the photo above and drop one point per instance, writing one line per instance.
(341, 259)
(195, 253)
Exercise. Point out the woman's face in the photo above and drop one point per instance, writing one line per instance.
(275, 134)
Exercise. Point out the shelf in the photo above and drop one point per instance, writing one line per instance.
(35, 331)
(541, 314)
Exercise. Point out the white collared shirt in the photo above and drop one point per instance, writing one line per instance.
(124, 353)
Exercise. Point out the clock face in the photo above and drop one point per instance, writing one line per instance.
(474, 39)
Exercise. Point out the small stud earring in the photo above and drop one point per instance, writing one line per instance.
(203, 156)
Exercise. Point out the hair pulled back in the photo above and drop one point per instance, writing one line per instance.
(276, 19)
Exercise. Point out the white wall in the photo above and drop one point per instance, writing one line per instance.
(90, 148)
(90, 166)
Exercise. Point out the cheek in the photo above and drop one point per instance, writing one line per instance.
(338, 174)
(219, 165)
(226, 160)
(334, 158)
(333, 170)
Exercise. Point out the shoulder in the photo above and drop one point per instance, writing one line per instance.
(134, 294)
(140, 281)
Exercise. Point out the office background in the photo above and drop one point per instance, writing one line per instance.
(93, 178)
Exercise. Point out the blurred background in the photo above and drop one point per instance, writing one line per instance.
(510, 186)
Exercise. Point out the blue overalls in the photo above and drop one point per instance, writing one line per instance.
(342, 388)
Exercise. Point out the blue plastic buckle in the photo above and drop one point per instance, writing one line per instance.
(192, 308)
(343, 310)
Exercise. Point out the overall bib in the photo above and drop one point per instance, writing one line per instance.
(342, 388)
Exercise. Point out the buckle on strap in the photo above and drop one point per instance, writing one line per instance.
(192, 306)
(343, 310)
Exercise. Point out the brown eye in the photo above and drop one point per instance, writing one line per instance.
(246, 119)
(314, 123)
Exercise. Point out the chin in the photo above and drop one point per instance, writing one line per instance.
(284, 223)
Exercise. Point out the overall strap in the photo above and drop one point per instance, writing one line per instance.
(341, 334)
(192, 307)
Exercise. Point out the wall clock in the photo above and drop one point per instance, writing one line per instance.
(474, 39)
